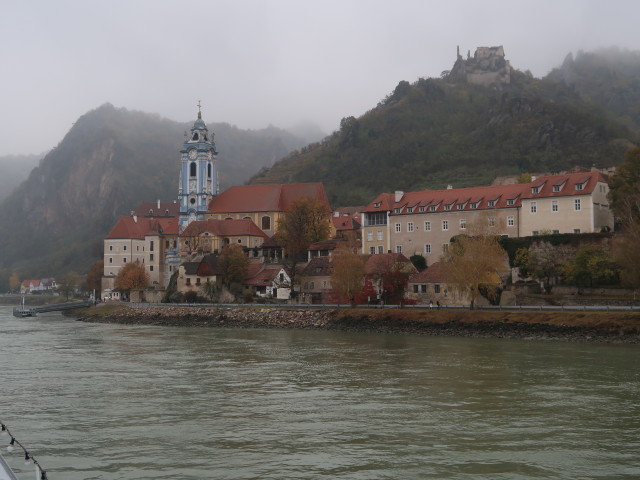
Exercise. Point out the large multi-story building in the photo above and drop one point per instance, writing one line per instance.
(424, 222)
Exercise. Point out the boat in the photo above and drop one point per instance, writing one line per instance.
(5, 472)
(24, 311)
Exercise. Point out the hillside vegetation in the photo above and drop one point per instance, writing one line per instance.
(436, 132)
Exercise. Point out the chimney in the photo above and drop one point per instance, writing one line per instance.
(158, 204)
(135, 219)
(449, 187)
(399, 195)
(336, 214)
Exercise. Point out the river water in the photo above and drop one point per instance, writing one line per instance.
(94, 401)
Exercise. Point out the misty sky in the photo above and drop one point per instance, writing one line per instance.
(254, 63)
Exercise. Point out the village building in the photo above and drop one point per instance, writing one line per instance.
(38, 286)
(267, 281)
(211, 236)
(423, 223)
(315, 281)
(264, 205)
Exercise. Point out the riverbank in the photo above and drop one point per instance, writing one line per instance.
(604, 327)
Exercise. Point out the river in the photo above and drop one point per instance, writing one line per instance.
(101, 401)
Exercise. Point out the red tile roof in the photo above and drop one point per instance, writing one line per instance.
(139, 227)
(433, 274)
(224, 228)
(151, 209)
(500, 195)
(318, 266)
(260, 274)
(265, 198)
(377, 264)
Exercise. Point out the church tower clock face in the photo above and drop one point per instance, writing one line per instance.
(193, 154)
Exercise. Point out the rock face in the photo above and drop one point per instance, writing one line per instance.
(488, 67)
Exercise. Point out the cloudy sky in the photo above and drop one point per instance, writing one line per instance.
(254, 63)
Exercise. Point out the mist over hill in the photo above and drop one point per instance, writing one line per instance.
(436, 132)
(14, 169)
(110, 161)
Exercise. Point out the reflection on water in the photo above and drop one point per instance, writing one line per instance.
(127, 402)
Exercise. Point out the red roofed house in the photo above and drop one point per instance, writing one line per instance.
(150, 240)
(348, 222)
(193, 276)
(424, 222)
(264, 280)
(210, 236)
(386, 273)
(263, 204)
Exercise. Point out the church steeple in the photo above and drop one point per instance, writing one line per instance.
(198, 172)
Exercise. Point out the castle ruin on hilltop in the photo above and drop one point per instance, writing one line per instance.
(487, 67)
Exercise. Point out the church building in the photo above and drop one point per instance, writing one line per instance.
(198, 173)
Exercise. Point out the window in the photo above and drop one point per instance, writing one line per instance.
(427, 226)
(421, 209)
(380, 249)
(166, 244)
(380, 234)
(369, 236)
(510, 221)
(433, 208)
(311, 285)
(534, 207)
(398, 248)
(491, 203)
(110, 260)
(579, 186)
(416, 288)
(576, 205)
(111, 248)
(151, 246)
(492, 221)
(555, 232)
(396, 210)
(535, 189)
(554, 205)
(511, 202)
(151, 257)
(445, 247)
(463, 224)
(576, 230)
(447, 207)
(427, 248)
(410, 227)
(192, 169)
(378, 218)
(324, 284)
(372, 250)
(445, 225)
(188, 281)
(460, 206)
(266, 223)
(410, 210)
(475, 205)
(124, 260)
(124, 248)
(557, 188)
(376, 205)
(209, 170)
(535, 233)
(398, 228)
(436, 288)
(151, 268)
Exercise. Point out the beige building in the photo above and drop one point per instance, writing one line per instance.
(424, 222)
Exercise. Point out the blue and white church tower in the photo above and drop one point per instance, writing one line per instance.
(198, 173)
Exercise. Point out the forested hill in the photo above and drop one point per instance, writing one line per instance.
(110, 161)
(436, 132)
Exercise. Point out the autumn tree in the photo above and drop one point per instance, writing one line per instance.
(391, 272)
(67, 283)
(233, 264)
(475, 261)
(347, 273)
(624, 196)
(14, 282)
(590, 266)
(94, 277)
(307, 221)
(133, 276)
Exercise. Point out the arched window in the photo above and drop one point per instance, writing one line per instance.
(195, 136)
(192, 169)
(266, 223)
(209, 170)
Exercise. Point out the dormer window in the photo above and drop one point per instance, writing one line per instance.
(510, 202)
(421, 209)
(396, 210)
(535, 189)
(410, 210)
(579, 186)
(433, 208)
(558, 187)
(376, 205)
(491, 203)
(460, 206)
(475, 205)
